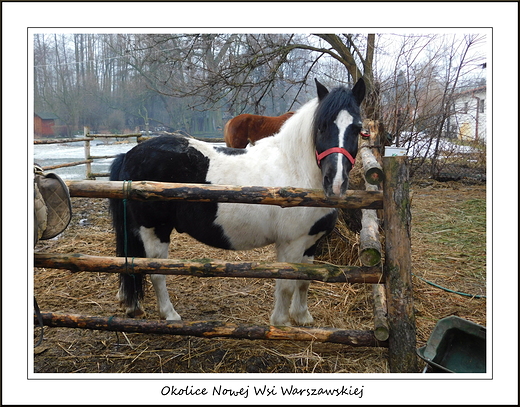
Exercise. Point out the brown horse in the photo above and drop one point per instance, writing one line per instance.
(245, 128)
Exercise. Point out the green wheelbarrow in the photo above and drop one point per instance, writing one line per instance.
(455, 346)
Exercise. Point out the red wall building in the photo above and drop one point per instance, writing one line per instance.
(44, 124)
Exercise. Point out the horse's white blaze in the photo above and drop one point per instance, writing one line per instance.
(156, 249)
(343, 120)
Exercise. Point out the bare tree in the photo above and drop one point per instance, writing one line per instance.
(420, 93)
(234, 69)
(197, 81)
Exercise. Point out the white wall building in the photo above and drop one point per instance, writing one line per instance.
(470, 115)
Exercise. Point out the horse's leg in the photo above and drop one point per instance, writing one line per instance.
(241, 141)
(291, 302)
(299, 311)
(133, 311)
(282, 300)
(291, 295)
(158, 248)
(164, 304)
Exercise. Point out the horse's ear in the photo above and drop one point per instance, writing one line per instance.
(322, 90)
(359, 90)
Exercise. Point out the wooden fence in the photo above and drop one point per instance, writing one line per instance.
(394, 322)
(89, 158)
(87, 138)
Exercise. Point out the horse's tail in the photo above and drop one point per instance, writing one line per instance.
(128, 244)
(236, 131)
(227, 135)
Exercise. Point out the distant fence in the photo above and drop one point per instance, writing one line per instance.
(447, 159)
(89, 158)
(468, 167)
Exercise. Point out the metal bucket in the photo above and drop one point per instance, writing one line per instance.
(395, 151)
(455, 346)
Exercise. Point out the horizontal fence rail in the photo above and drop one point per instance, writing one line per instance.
(280, 196)
(53, 167)
(213, 329)
(104, 135)
(210, 268)
(61, 140)
(89, 159)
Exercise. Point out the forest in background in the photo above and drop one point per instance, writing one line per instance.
(121, 83)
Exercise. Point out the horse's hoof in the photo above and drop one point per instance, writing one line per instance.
(169, 314)
(279, 322)
(172, 317)
(305, 319)
(136, 313)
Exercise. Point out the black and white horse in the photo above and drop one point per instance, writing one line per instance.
(315, 148)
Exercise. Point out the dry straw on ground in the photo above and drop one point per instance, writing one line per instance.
(249, 301)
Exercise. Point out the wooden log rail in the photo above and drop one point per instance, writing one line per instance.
(381, 329)
(53, 167)
(210, 268)
(213, 329)
(369, 243)
(106, 135)
(372, 169)
(61, 140)
(94, 175)
(280, 196)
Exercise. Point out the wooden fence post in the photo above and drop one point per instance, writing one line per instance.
(398, 266)
(88, 166)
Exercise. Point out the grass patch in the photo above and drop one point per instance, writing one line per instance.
(448, 254)
(458, 234)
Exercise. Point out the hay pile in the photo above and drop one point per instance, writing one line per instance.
(246, 301)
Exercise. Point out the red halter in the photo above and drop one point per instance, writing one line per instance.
(340, 150)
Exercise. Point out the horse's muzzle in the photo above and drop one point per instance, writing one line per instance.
(335, 188)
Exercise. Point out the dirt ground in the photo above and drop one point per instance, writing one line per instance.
(441, 254)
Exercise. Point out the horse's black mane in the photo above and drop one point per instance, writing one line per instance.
(338, 99)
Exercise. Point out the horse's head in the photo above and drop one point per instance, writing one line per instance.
(337, 124)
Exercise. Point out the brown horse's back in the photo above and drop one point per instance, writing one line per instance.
(245, 128)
